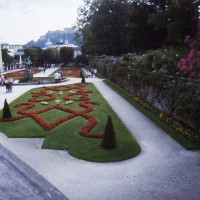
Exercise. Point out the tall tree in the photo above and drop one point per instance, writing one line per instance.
(141, 35)
(7, 59)
(34, 54)
(176, 21)
(50, 56)
(103, 24)
(66, 54)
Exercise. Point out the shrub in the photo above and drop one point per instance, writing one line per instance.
(6, 111)
(109, 140)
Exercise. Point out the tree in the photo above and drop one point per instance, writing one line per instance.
(103, 25)
(50, 56)
(142, 36)
(7, 59)
(175, 21)
(109, 140)
(34, 54)
(66, 54)
(6, 111)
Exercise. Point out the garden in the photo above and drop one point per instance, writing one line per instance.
(153, 83)
(70, 117)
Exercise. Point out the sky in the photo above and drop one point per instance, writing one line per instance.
(24, 20)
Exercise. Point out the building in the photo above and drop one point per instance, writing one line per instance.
(61, 43)
(12, 49)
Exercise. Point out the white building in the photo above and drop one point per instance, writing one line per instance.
(61, 44)
(12, 49)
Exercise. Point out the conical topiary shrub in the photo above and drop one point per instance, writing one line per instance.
(6, 111)
(109, 140)
(83, 79)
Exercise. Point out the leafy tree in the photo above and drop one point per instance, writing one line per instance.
(81, 60)
(34, 54)
(141, 35)
(103, 26)
(66, 54)
(175, 22)
(50, 56)
(7, 59)
(182, 21)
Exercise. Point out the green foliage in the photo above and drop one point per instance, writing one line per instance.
(6, 111)
(66, 54)
(7, 59)
(134, 26)
(109, 140)
(50, 56)
(155, 78)
(81, 60)
(34, 54)
(185, 136)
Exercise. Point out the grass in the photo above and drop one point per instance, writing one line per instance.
(160, 123)
(67, 136)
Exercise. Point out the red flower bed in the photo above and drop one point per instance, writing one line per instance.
(16, 74)
(85, 102)
(72, 72)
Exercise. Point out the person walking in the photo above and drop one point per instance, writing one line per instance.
(10, 84)
(2, 79)
(95, 72)
(57, 77)
(6, 83)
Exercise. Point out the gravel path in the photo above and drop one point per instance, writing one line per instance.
(163, 170)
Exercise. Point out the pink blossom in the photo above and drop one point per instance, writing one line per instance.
(190, 56)
(182, 64)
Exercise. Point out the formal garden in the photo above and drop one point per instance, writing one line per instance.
(150, 57)
(70, 117)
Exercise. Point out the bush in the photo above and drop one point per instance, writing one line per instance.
(6, 111)
(109, 140)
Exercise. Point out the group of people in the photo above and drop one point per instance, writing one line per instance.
(93, 72)
(6, 81)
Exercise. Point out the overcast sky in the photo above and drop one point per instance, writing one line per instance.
(25, 20)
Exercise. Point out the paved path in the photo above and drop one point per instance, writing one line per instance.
(162, 171)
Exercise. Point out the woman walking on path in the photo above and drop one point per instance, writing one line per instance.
(8, 83)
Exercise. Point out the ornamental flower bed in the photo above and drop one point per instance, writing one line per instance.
(16, 74)
(46, 95)
(72, 72)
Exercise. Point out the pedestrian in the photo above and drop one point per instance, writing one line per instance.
(95, 72)
(2, 80)
(92, 72)
(10, 84)
(57, 77)
(6, 83)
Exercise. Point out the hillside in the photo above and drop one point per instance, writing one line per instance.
(67, 35)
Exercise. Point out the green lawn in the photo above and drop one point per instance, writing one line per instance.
(67, 135)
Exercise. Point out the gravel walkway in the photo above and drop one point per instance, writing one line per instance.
(163, 170)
